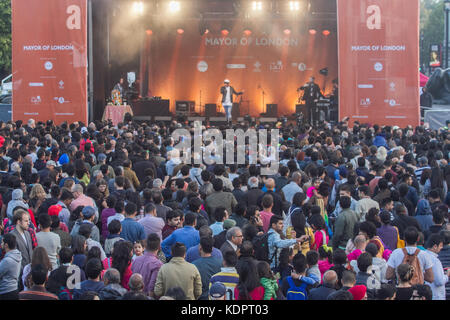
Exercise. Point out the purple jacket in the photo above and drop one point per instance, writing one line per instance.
(388, 235)
(147, 266)
(106, 213)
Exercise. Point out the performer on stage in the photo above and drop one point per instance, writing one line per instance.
(227, 92)
(311, 95)
(334, 99)
(119, 86)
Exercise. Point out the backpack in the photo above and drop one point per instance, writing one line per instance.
(65, 293)
(413, 260)
(261, 247)
(294, 292)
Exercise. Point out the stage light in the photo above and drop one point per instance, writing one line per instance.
(225, 32)
(312, 31)
(138, 7)
(287, 31)
(247, 32)
(174, 6)
(149, 32)
(326, 33)
(257, 5)
(294, 5)
(180, 31)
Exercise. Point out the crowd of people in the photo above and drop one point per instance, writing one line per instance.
(102, 212)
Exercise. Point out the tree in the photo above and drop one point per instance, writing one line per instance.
(431, 27)
(5, 37)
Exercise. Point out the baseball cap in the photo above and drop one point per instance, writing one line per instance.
(88, 212)
(217, 290)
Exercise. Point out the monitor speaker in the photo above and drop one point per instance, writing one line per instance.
(210, 110)
(272, 110)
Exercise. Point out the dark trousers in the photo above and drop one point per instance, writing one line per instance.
(13, 295)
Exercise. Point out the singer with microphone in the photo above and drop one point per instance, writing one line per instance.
(227, 92)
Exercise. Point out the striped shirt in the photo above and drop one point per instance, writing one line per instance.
(418, 171)
(229, 277)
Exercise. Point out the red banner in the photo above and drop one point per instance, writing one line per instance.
(379, 61)
(49, 60)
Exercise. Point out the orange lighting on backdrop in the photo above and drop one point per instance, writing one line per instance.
(182, 66)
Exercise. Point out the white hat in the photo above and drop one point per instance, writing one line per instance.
(226, 81)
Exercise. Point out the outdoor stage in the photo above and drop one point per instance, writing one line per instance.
(68, 55)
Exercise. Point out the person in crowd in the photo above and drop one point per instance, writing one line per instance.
(187, 235)
(93, 283)
(179, 273)
(112, 289)
(148, 264)
(39, 276)
(10, 268)
(434, 245)
(50, 241)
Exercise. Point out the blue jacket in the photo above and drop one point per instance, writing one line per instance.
(187, 235)
(132, 230)
(275, 242)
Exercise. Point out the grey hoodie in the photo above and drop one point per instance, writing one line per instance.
(10, 270)
(16, 201)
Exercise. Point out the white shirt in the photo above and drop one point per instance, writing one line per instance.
(227, 95)
(397, 256)
(440, 278)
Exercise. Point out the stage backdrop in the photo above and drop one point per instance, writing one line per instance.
(190, 66)
(379, 61)
(49, 60)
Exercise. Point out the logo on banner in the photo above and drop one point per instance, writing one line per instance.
(392, 103)
(61, 84)
(378, 66)
(48, 66)
(73, 22)
(276, 66)
(392, 86)
(36, 100)
(365, 102)
(257, 66)
(301, 67)
(60, 100)
(202, 66)
(374, 20)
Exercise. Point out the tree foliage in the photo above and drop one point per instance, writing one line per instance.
(5, 37)
(431, 27)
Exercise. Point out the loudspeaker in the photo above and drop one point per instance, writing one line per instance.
(272, 110)
(210, 110)
(235, 112)
(301, 108)
(185, 107)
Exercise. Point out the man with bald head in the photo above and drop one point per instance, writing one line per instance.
(277, 208)
(328, 286)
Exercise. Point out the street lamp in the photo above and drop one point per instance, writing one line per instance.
(447, 10)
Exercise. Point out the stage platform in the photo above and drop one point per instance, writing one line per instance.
(205, 120)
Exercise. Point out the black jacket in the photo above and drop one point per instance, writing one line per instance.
(223, 91)
(321, 293)
(251, 196)
(277, 202)
(402, 222)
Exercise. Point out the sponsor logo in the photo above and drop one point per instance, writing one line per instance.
(257, 66)
(373, 22)
(378, 66)
(61, 84)
(202, 66)
(301, 67)
(48, 65)
(392, 86)
(276, 66)
(365, 102)
(36, 100)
